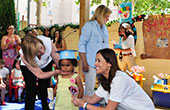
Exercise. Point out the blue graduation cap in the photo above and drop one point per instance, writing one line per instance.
(67, 54)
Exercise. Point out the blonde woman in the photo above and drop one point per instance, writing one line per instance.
(94, 36)
(37, 54)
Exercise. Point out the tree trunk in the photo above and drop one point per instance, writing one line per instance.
(38, 13)
(133, 6)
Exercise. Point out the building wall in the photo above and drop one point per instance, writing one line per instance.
(57, 12)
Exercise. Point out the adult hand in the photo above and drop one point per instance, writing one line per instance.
(57, 71)
(2, 85)
(78, 102)
(85, 67)
(11, 42)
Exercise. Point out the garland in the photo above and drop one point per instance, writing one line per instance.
(56, 26)
(63, 27)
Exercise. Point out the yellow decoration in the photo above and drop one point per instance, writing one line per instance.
(121, 9)
(161, 88)
(66, 54)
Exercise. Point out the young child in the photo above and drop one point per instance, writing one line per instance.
(2, 88)
(4, 72)
(68, 82)
(17, 78)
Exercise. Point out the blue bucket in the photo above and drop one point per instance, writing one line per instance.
(165, 81)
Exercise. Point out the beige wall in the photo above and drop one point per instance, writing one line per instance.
(71, 39)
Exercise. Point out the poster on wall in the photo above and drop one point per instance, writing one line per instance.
(156, 33)
(162, 42)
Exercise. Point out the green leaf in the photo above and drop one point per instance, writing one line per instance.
(36, 0)
(44, 4)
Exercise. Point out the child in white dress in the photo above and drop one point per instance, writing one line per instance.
(17, 78)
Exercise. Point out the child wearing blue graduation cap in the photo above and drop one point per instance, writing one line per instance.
(68, 82)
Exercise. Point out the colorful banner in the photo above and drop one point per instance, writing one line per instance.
(125, 12)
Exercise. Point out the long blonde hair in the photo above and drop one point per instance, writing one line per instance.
(99, 14)
(30, 49)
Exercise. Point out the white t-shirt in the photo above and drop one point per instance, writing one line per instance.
(4, 72)
(46, 57)
(129, 43)
(127, 93)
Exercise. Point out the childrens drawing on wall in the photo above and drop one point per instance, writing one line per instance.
(156, 36)
(162, 42)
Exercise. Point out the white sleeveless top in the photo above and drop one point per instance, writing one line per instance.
(17, 73)
(46, 57)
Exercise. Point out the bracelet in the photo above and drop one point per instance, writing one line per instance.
(85, 105)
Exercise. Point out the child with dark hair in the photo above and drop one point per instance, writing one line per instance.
(2, 88)
(4, 72)
(68, 83)
(126, 47)
(46, 33)
(17, 78)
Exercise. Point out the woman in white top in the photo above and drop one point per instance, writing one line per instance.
(127, 50)
(38, 53)
(119, 90)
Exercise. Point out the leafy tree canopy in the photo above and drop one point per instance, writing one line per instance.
(8, 16)
(141, 6)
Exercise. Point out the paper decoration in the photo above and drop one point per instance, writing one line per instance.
(125, 12)
(156, 36)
